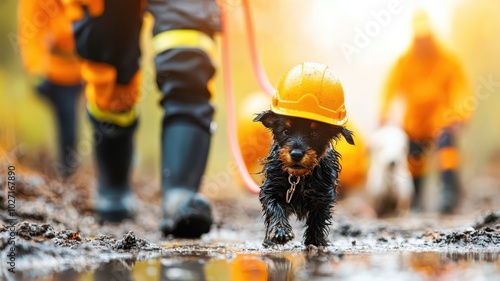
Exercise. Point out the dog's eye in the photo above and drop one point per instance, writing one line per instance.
(286, 132)
(314, 135)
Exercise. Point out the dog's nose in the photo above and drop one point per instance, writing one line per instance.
(297, 154)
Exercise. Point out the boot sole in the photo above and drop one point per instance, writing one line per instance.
(191, 227)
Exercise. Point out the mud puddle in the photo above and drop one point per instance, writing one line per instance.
(297, 265)
(58, 237)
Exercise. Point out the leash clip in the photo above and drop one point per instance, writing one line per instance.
(291, 190)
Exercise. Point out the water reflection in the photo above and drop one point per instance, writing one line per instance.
(301, 266)
(114, 270)
(473, 256)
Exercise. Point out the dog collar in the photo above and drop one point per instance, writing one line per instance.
(291, 190)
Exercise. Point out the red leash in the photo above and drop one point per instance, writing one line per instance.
(258, 68)
(230, 105)
(262, 79)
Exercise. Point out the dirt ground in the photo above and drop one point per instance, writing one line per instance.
(58, 237)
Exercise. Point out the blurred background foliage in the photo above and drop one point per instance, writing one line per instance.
(287, 32)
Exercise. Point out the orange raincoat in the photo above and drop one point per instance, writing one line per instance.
(433, 87)
(46, 41)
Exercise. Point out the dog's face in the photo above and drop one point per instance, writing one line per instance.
(302, 142)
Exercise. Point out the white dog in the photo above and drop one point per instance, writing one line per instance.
(389, 182)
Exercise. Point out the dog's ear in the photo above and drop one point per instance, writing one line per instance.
(348, 135)
(266, 117)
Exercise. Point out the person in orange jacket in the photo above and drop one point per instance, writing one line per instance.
(432, 84)
(106, 33)
(47, 50)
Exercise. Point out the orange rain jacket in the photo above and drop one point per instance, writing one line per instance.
(46, 41)
(433, 88)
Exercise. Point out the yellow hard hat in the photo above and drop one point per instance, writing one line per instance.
(421, 24)
(311, 91)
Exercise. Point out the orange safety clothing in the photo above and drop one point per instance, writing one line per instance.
(46, 41)
(434, 90)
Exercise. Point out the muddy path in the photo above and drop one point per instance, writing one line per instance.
(58, 237)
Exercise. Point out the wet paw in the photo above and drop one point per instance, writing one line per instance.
(311, 248)
(268, 243)
(280, 235)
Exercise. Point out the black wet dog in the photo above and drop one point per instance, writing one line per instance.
(301, 177)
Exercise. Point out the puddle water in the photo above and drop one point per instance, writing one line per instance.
(299, 266)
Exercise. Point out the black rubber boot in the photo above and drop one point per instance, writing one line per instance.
(185, 147)
(415, 201)
(64, 100)
(451, 192)
(113, 151)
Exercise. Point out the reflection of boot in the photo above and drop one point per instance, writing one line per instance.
(113, 270)
(113, 149)
(184, 155)
(415, 201)
(450, 193)
(64, 100)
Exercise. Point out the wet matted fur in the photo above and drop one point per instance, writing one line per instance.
(301, 148)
